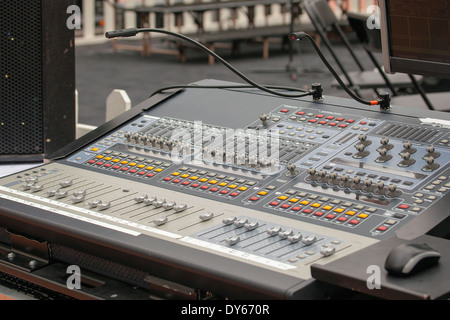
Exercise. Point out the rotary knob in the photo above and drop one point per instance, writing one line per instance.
(406, 160)
(407, 148)
(385, 144)
(362, 152)
(384, 156)
(363, 140)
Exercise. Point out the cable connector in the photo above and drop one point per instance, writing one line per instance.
(316, 91)
(124, 33)
(384, 101)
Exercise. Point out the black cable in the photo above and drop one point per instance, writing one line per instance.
(131, 32)
(383, 101)
(304, 94)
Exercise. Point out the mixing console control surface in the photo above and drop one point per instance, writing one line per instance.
(302, 183)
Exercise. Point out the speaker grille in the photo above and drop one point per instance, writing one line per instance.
(21, 84)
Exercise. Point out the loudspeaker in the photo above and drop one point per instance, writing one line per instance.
(37, 79)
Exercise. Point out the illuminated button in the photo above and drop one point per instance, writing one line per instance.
(274, 203)
(318, 213)
(242, 188)
(150, 175)
(329, 118)
(304, 202)
(316, 205)
(167, 179)
(223, 184)
(195, 185)
(300, 113)
(351, 213)
(193, 178)
(262, 193)
(232, 186)
(342, 219)
(330, 216)
(363, 215)
(116, 160)
(224, 191)
(99, 157)
(285, 206)
(284, 110)
(332, 124)
(124, 162)
(339, 210)
(354, 222)
(185, 183)
(203, 180)
(307, 211)
(403, 206)
(296, 208)
(293, 200)
(322, 122)
(340, 119)
(184, 176)
(253, 199)
(234, 194)
(141, 166)
(350, 121)
(91, 161)
(124, 169)
(107, 158)
(320, 116)
(99, 163)
(158, 169)
(108, 165)
(175, 173)
(94, 149)
(382, 228)
(327, 207)
(133, 171)
(150, 168)
(141, 173)
(212, 181)
(214, 189)
(204, 187)
(342, 125)
(312, 120)
(132, 164)
(282, 197)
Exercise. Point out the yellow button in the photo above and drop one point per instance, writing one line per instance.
(150, 168)
(124, 162)
(212, 181)
(108, 158)
(193, 178)
(339, 210)
(232, 186)
(141, 166)
(350, 213)
(175, 173)
(262, 193)
(184, 175)
(242, 188)
(203, 180)
(133, 164)
(223, 184)
(327, 207)
(363, 215)
(116, 160)
(294, 200)
(316, 205)
(158, 169)
(304, 202)
(99, 157)
(282, 197)
(94, 149)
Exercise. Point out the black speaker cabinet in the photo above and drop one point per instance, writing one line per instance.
(37, 79)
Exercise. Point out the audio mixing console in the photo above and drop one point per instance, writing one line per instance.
(236, 192)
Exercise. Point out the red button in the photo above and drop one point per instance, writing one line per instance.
(329, 118)
(363, 122)
(307, 211)
(342, 219)
(99, 163)
(150, 175)
(295, 208)
(320, 116)
(340, 119)
(300, 113)
(353, 221)
(330, 216)
(342, 125)
(108, 165)
(195, 185)
(285, 206)
(223, 191)
(382, 228)
(252, 198)
(141, 173)
(214, 189)
(133, 171)
(91, 161)
(332, 124)
(322, 122)
(318, 213)
(234, 194)
(284, 110)
(312, 120)
(274, 203)
(185, 183)
(124, 169)
(116, 167)
(403, 206)
(350, 121)
(204, 187)
(167, 179)
(176, 181)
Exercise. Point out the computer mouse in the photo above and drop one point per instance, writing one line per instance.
(409, 258)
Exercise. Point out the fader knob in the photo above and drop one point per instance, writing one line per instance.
(407, 148)
(333, 178)
(362, 152)
(431, 165)
(368, 185)
(292, 168)
(407, 161)
(363, 140)
(264, 118)
(431, 152)
(383, 155)
(379, 187)
(385, 144)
